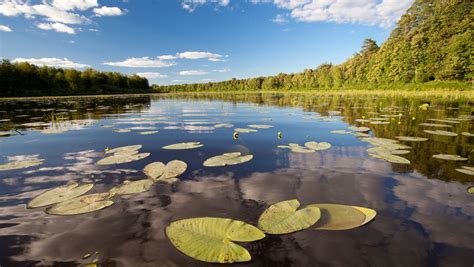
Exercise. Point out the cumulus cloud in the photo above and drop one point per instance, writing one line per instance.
(141, 62)
(151, 75)
(200, 55)
(192, 72)
(280, 19)
(108, 11)
(5, 28)
(58, 27)
(190, 5)
(52, 62)
(74, 4)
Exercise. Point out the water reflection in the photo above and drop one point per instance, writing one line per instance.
(425, 216)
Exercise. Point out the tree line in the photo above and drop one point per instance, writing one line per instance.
(431, 43)
(24, 79)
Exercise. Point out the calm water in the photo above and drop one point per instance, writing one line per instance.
(425, 215)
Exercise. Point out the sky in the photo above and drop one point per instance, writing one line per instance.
(187, 41)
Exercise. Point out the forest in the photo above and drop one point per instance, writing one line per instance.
(24, 79)
(431, 45)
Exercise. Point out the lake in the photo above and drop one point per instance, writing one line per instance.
(425, 215)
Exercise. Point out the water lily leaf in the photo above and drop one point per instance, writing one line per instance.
(122, 157)
(467, 134)
(132, 187)
(379, 122)
(148, 132)
(411, 138)
(435, 125)
(342, 217)
(173, 169)
(154, 170)
(390, 158)
(317, 146)
(284, 217)
(122, 130)
(20, 164)
(449, 157)
(82, 204)
(340, 132)
(439, 132)
(223, 125)
(466, 170)
(245, 130)
(227, 159)
(186, 145)
(59, 194)
(260, 126)
(210, 239)
(125, 149)
(470, 189)
(359, 129)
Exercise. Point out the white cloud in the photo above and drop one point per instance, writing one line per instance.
(11, 8)
(222, 70)
(167, 57)
(192, 72)
(5, 28)
(208, 80)
(141, 62)
(200, 55)
(108, 11)
(280, 19)
(191, 5)
(368, 12)
(52, 62)
(151, 75)
(75, 4)
(57, 27)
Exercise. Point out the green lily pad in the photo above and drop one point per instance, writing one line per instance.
(466, 170)
(211, 239)
(223, 125)
(20, 164)
(82, 204)
(359, 129)
(148, 132)
(283, 217)
(449, 157)
(245, 130)
(172, 170)
(122, 157)
(470, 189)
(317, 146)
(379, 122)
(124, 149)
(411, 138)
(342, 217)
(467, 134)
(186, 145)
(154, 170)
(122, 130)
(435, 125)
(260, 126)
(59, 194)
(227, 159)
(390, 158)
(440, 132)
(132, 187)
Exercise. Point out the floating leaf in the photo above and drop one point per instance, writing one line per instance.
(154, 170)
(342, 217)
(283, 217)
(449, 157)
(470, 189)
(379, 122)
(125, 149)
(210, 239)
(439, 132)
(148, 132)
(173, 169)
(359, 129)
(122, 157)
(59, 194)
(227, 159)
(411, 138)
(466, 170)
(186, 145)
(122, 130)
(82, 204)
(20, 164)
(223, 125)
(390, 158)
(467, 134)
(245, 130)
(340, 132)
(317, 146)
(260, 126)
(435, 125)
(132, 187)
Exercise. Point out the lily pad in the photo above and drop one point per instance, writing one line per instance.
(260, 126)
(342, 217)
(466, 170)
(82, 204)
(449, 157)
(470, 189)
(359, 129)
(124, 149)
(59, 194)
(148, 132)
(227, 159)
(411, 138)
(223, 125)
(435, 125)
(390, 158)
(186, 145)
(122, 158)
(340, 132)
(122, 130)
(132, 187)
(284, 217)
(210, 239)
(20, 164)
(172, 170)
(245, 130)
(467, 134)
(317, 146)
(154, 170)
(440, 132)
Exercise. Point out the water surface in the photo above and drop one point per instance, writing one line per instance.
(424, 213)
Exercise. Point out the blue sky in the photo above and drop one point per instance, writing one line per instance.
(182, 41)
